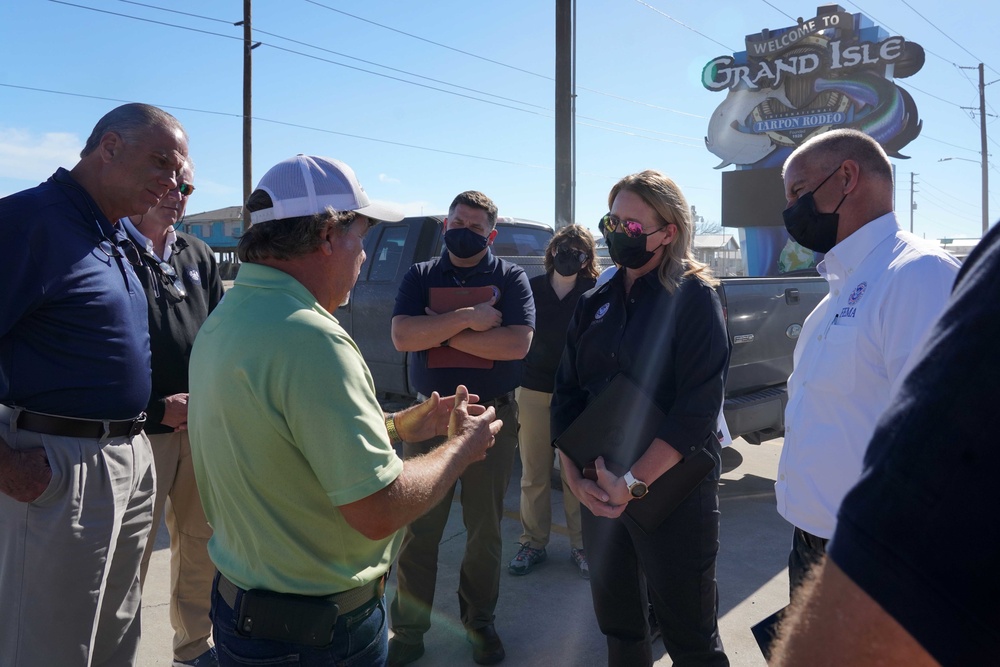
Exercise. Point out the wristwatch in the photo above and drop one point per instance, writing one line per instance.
(635, 487)
(390, 426)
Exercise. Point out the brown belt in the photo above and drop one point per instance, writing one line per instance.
(72, 427)
(347, 601)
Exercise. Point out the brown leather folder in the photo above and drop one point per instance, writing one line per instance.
(445, 300)
(619, 425)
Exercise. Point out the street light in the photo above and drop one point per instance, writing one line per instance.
(985, 187)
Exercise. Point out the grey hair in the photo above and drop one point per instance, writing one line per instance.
(835, 146)
(287, 238)
(129, 121)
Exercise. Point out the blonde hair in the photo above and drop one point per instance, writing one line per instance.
(664, 196)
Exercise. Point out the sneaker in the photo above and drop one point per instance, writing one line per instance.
(526, 559)
(207, 659)
(579, 558)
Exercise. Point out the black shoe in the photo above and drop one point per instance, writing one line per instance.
(401, 653)
(487, 649)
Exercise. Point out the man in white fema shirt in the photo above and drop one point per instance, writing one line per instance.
(887, 287)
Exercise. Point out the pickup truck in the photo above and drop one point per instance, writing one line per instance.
(763, 315)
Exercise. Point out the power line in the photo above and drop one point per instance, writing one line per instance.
(497, 62)
(910, 85)
(961, 148)
(780, 11)
(680, 23)
(419, 76)
(286, 124)
(938, 28)
(886, 26)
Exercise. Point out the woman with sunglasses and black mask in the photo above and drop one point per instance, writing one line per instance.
(570, 270)
(659, 321)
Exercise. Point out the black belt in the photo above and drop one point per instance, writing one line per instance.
(72, 427)
(500, 401)
(347, 601)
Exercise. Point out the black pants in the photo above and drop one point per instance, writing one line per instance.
(807, 551)
(678, 561)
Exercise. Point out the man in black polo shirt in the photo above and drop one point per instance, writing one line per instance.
(76, 478)
(182, 286)
(497, 333)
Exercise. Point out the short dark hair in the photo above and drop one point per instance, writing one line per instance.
(476, 199)
(129, 121)
(287, 238)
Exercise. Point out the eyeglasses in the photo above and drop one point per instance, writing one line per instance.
(632, 228)
(173, 280)
(186, 189)
(123, 248)
(575, 253)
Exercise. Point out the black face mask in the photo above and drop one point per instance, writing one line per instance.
(464, 243)
(810, 228)
(567, 263)
(629, 251)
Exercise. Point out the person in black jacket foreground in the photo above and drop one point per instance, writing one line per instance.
(182, 284)
(911, 577)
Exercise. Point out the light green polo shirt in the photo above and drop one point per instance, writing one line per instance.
(285, 427)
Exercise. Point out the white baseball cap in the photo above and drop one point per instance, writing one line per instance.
(306, 185)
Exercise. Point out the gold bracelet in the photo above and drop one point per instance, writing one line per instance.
(390, 426)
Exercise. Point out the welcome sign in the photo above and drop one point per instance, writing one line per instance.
(833, 70)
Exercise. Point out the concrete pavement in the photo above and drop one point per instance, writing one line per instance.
(546, 617)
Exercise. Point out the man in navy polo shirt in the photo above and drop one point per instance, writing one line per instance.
(498, 332)
(76, 482)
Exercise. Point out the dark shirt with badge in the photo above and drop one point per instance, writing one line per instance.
(174, 319)
(674, 346)
(514, 302)
(919, 531)
(73, 335)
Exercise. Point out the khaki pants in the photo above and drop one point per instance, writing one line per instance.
(191, 570)
(69, 561)
(537, 456)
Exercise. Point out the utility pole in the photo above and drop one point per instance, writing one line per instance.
(247, 110)
(982, 138)
(565, 213)
(913, 204)
(984, 155)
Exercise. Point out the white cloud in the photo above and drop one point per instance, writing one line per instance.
(386, 178)
(29, 157)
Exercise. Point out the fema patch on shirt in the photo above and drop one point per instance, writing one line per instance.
(496, 294)
(602, 311)
(856, 295)
(194, 275)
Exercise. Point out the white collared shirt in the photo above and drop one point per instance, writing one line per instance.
(887, 287)
(168, 249)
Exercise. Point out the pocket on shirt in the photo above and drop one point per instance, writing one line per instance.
(836, 369)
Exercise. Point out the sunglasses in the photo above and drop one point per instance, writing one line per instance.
(175, 286)
(572, 252)
(186, 189)
(123, 249)
(632, 228)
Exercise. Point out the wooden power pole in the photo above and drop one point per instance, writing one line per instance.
(565, 113)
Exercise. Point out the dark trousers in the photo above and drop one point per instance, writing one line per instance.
(807, 551)
(483, 485)
(678, 561)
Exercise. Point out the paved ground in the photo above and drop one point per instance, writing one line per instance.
(545, 618)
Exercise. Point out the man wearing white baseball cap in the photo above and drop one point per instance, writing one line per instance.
(292, 452)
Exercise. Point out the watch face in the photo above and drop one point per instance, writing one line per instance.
(638, 490)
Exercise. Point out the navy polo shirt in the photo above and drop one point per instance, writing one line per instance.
(74, 339)
(919, 532)
(674, 346)
(514, 303)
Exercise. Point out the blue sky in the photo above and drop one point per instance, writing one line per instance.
(426, 99)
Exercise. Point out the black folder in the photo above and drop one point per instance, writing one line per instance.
(619, 425)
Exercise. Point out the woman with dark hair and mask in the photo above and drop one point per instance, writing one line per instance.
(658, 321)
(570, 270)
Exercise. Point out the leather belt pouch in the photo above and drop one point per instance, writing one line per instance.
(283, 617)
